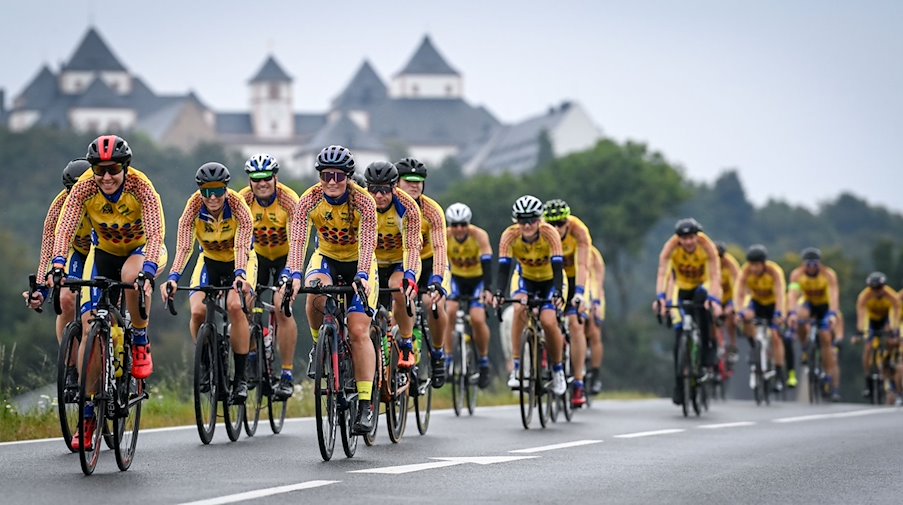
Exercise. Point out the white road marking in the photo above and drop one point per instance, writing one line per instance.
(555, 446)
(835, 415)
(649, 433)
(260, 493)
(417, 467)
(726, 425)
(485, 460)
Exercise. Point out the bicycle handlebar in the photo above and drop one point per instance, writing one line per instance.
(57, 275)
(207, 290)
(356, 289)
(32, 288)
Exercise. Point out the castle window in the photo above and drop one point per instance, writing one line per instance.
(274, 91)
(415, 90)
(448, 90)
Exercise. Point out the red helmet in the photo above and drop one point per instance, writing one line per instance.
(109, 148)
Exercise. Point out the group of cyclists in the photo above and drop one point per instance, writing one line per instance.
(381, 231)
(694, 268)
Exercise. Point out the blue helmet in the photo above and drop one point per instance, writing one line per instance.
(261, 163)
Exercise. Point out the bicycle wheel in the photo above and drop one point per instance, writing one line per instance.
(683, 373)
(96, 359)
(233, 413)
(525, 377)
(206, 387)
(423, 396)
(370, 438)
(472, 373)
(130, 394)
(325, 393)
(255, 376)
(544, 397)
(276, 409)
(397, 389)
(566, 407)
(67, 399)
(458, 374)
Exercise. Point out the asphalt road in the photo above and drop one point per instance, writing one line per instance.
(615, 452)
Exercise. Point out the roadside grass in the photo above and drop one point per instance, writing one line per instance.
(170, 406)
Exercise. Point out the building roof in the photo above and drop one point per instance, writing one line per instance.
(158, 123)
(99, 95)
(344, 131)
(365, 90)
(428, 61)
(271, 71)
(239, 123)
(93, 54)
(436, 122)
(40, 92)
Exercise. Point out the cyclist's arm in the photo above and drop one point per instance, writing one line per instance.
(664, 266)
(70, 217)
(244, 235)
(436, 217)
(862, 310)
(485, 255)
(780, 285)
(300, 230)
(714, 268)
(599, 274)
(366, 233)
(835, 290)
(741, 289)
(793, 291)
(894, 314)
(411, 239)
(152, 217)
(734, 268)
(185, 236)
(53, 214)
(549, 233)
(582, 255)
(288, 200)
(505, 259)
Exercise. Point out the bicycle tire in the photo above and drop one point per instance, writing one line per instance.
(131, 393)
(683, 373)
(67, 403)
(472, 372)
(325, 394)
(397, 388)
(544, 398)
(206, 387)
(255, 377)
(458, 374)
(276, 409)
(233, 413)
(423, 399)
(567, 407)
(348, 414)
(370, 438)
(95, 344)
(526, 377)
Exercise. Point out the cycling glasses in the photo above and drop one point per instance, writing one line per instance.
(458, 225)
(559, 224)
(262, 179)
(213, 192)
(379, 188)
(527, 220)
(101, 170)
(333, 176)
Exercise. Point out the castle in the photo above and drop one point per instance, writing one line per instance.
(422, 110)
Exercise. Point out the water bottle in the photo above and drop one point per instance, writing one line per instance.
(118, 337)
(268, 343)
(418, 342)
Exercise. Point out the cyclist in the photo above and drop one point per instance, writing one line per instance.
(813, 295)
(272, 206)
(344, 217)
(536, 246)
(125, 213)
(691, 258)
(470, 256)
(398, 245)
(762, 280)
(576, 244)
(220, 220)
(730, 271)
(432, 257)
(876, 307)
(596, 320)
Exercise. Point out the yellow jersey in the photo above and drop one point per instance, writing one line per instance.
(81, 242)
(432, 225)
(271, 220)
(727, 277)
(596, 262)
(398, 238)
(763, 288)
(345, 227)
(815, 288)
(535, 258)
(576, 236)
(877, 308)
(123, 222)
(690, 268)
(464, 256)
(225, 237)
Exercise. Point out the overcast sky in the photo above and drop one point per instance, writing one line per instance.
(804, 98)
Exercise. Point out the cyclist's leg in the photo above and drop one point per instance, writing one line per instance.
(199, 277)
(452, 307)
(404, 321)
(578, 335)
(318, 271)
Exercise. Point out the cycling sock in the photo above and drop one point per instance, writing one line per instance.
(315, 334)
(364, 390)
(139, 336)
(89, 411)
(558, 367)
(437, 353)
(484, 362)
(516, 363)
(241, 361)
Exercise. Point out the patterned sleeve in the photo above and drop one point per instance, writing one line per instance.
(549, 232)
(246, 194)
(582, 255)
(244, 235)
(151, 215)
(71, 215)
(53, 214)
(434, 214)
(411, 240)
(288, 200)
(185, 234)
(508, 238)
(366, 234)
(300, 224)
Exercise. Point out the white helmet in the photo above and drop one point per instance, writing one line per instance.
(458, 213)
(526, 207)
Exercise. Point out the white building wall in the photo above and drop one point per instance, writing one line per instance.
(272, 118)
(427, 86)
(102, 120)
(120, 82)
(75, 82)
(575, 132)
(431, 156)
(21, 120)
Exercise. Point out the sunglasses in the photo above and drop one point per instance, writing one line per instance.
(528, 221)
(213, 192)
(559, 224)
(333, 176)
(101, 170)
(384, 189)
(812, 263)
(458, 225)
(261, 179)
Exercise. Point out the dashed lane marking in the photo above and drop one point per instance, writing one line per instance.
(260, 493)
(650, 433)
(552, 447)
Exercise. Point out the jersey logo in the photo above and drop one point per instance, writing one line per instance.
(328, 215)
(258, 218)
(272, 216)
(107, 209)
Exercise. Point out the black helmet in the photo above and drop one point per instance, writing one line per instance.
(811, 254)
(109, 148)
(212, 172)
(756, 253)
(74, 169)
(381, 172)
(687, 226)
(359, 180)
(335, 156)
(876, 280)
(556, 210)
(722, 248)
(411, 169)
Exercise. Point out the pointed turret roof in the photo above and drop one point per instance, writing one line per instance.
(40, 92)
(271, 71)
(428, 61)
(99, 95)
(365, 90)
(344, 131)
(93, 54)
